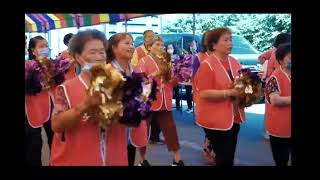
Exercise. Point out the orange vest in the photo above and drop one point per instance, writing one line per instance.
(71, 72)
(266, 55)
(138, 136)
(38, 108)
(218, 115)
(201, 56)
(81, 146)
(164, 94)
(140, 53)
(278, 118)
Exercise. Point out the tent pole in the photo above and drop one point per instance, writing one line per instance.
(125, 24)
(194, 26)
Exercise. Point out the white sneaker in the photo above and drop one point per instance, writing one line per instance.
(189, 111)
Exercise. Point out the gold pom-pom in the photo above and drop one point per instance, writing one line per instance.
(108, 82)
(165, 68)
(250, 90)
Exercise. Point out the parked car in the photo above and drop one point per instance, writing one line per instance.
(245, 53)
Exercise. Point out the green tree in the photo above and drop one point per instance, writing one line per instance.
(258, 29)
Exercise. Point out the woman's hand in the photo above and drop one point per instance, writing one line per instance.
(232, 93)
(92, 101)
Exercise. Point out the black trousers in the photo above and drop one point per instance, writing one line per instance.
(177, 97)
(33, 141)
(188, 96)
(155, 130)
(224, 144)
(154, 136)
(281, 150)
(131, 154)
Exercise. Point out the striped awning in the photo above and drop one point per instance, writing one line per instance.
(46, 22)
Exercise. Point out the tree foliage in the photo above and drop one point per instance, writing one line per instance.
(258, 29)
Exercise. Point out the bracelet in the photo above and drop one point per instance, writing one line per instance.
(224, 93)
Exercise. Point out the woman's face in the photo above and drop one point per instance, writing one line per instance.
(193, 46)
(125, 48)
(286, 61)
(148, 36)
(40, 45)
(170, 49)
(224, 44)
(93, 52)
(157, 48)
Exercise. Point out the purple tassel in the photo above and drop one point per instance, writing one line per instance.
(135, 109)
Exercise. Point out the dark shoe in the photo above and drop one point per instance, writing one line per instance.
(144, 163)
(180, 163)
(159, 142)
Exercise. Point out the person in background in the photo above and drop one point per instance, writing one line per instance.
(162, 106)
(269, 63)
(72, 72)
(171, 50)
(208, 154)
(38, 109)
(142, 50)
(269, 58)
(139, 53)
(189, 55)
(278, 102)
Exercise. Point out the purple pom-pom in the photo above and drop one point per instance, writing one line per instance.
(34, 77)
(135, 108)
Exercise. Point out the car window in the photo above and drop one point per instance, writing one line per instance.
(242, 46)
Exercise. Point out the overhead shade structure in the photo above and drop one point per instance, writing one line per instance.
(46, 22)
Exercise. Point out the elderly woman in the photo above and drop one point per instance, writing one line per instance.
(217, 109)
(162, 106)
(78, 139)
(278, 102)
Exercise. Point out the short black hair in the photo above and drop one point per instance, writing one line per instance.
(67, 38)
(282, 38)
(282, 51)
